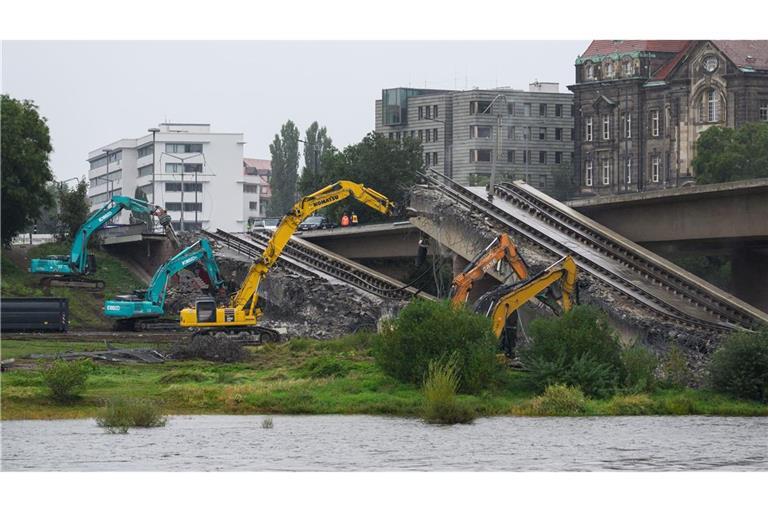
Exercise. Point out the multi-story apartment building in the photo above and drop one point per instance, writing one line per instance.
(256, 173)
(641, 105)
(529, 134)
(197, 175)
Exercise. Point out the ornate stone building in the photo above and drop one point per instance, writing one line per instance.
(639, 107)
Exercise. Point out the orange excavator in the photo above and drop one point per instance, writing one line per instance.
(501, 249)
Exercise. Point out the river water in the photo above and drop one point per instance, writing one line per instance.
(372, 443)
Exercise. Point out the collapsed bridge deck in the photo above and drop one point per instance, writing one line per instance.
(653, 283)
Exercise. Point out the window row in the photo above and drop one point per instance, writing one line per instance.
(173, 168)
(188, 207)
(431, 158)
(147, 170)
(250, 188)
(609, 69)
(114, 156)
(106, 196)
(605, 169)
(626, 126)
(428, 135)
(428, 112)
(106, 179)
(542, 133)
(145, 150)
(515, 156)
(183, 148)
(188, 187)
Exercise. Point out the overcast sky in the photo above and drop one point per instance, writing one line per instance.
(94, 93)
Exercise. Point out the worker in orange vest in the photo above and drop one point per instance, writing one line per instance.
(345, 220)
(354, 219)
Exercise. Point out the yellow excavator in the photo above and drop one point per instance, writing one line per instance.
(240, 316)
(502, 303)
(501, 249)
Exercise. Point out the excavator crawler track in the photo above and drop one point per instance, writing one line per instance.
(94, 285)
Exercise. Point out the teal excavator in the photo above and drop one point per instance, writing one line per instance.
(70, 270)
(145, 308)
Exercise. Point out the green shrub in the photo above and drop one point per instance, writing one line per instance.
(675, 369)
(558, 400)
(425, 331)
(631, 405)
(65, 380)
(677, 406)
(120, 414)
(577, 349)
(740, 367)
(639, 367)
(325, 366)
(440, 386)
(177, 376)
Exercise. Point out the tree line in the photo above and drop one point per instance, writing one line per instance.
(385, 165)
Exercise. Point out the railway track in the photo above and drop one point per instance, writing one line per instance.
(651, 282)
(308, 259)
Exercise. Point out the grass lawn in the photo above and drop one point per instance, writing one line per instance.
(84, 306)
(299, 377)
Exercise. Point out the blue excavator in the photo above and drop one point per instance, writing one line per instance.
(145, 308)
(70, 270)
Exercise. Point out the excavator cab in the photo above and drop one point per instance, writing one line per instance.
(206, 310)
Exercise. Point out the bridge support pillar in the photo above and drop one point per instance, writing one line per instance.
(750, 276)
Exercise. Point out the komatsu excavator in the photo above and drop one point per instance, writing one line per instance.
(145, 308)
(502, 303)
(501, 249)
(70, 270)
(240, 316)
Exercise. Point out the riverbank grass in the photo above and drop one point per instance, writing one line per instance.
(292, 378)
(121, 414)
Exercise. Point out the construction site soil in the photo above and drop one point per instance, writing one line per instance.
(634, 323)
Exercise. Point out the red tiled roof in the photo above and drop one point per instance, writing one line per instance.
(667, 68)
(745, 53)
(605, 47)
(258, 163)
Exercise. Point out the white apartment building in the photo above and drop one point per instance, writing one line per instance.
(197, 175)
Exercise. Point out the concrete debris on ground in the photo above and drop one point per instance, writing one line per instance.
(298, 305)
(136, 355)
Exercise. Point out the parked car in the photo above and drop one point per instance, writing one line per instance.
(315, 222)
(266, 223)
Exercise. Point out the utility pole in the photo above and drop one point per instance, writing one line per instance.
(154, 169)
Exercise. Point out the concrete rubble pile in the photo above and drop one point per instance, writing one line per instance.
(633, 323)
(297, 305)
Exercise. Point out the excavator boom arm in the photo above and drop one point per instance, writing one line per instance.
(290, 222)
(563, 270)
(500, 249)
(200, 251)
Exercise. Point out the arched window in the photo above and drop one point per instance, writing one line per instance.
(710, 106)
(589, 71)
(713, 106)
(609, 69)
(629, 68)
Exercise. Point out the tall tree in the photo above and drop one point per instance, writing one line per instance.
(74, 207)
(387, 166)
(285, 164)
(25, 148)
(727, 154)
(317, 145)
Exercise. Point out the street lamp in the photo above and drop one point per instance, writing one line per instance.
(498, 143)
(154, 166)
(182, 159)
(109, 193)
